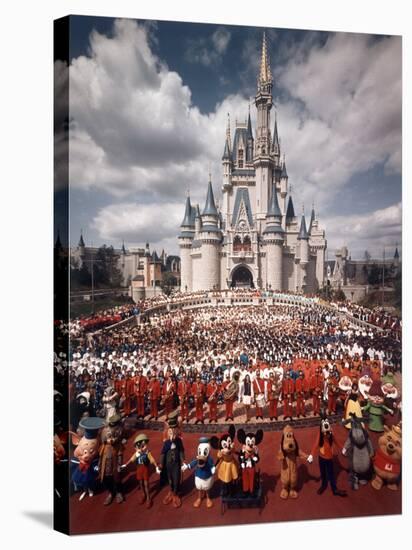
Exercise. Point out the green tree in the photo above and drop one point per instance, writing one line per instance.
(106, 272)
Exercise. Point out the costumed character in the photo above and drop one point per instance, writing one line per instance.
(324, 443)
(376, 408)
(85, 461)
(226, 467)
(171, 461)
(143, 458)
(388, 459)
(249, 458)
(288, 455)
(352, 404)
(110, 460)
(359, 450)
(204, 469)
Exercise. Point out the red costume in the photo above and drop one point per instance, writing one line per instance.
(183, 391)
(129, 393)
(168, 391)
(140, 388)
(154, 390)
(273, 392)
(198, 392)
(301, 387)
(288, 390)
(212, 391)
(316, 387)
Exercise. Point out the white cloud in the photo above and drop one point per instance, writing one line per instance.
(372, 231)
(345, 113)
(136, 133)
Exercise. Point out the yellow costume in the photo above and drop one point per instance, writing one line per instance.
(226, 468)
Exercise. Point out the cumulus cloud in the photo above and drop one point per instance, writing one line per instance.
(372, 231)
(343, 113)
(135, 132)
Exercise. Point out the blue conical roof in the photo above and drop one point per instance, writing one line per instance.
(303, 234)
(312, 219)
(210, 207)
(290, 211)
(274, 209)
(249, 128)
(396, 256)
(284, 173)
(81, 241)
(188, 220)
(226, 152)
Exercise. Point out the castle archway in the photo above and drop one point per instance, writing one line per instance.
(242, 277)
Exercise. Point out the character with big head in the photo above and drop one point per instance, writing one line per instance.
(86, 456)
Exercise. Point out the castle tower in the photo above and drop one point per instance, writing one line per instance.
(273, 239)
(187, 233)
(284, 185)
(263, 160)
(207, 273)
(303, 245)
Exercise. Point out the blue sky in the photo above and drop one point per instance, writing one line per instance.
(149, 103)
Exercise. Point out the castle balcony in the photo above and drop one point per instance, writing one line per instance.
(242, 256)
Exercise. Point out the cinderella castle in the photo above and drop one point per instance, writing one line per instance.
(255, 239)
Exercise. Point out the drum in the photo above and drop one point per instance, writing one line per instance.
(260, 400)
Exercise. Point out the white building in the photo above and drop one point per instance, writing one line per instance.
(255, 239)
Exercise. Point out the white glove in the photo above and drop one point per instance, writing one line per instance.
(158, 470)
(96, 468)
(255, 458)
(243, 465)
(344, 451)
(123, 466)
(213, 470)
(310, 459)
(184, 467)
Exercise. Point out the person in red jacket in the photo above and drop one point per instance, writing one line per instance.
(301, 388)
(198, 393)
(140, 388)
(153, 392)
(324, 446)
(129, 393)
(333, 392)
(212, 392)
(288, 391)
(168, 393)
(273, 391)
(183, 391)
(316, 388)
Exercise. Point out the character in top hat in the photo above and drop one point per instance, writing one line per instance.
(143, 458)
(171, 461)
(204, 469)
(324, 446)
(85, 456)
(110, 460)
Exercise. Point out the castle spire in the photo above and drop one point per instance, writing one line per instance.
(265, 75)
(303, 234)
(312, 217)
(81, 240)
(188, 218)
(290, 210)
(210, 206)
(276, 142)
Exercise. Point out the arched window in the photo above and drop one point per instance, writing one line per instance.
(247, 245)
(237, 244)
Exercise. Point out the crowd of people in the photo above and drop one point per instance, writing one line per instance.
(215, 364)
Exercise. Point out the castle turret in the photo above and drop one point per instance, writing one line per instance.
(263, 159)
(284, 185)
(187, 233)
(273, 239)
(210, 236)
(303, 245)
(250, 141)
(312, 220)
